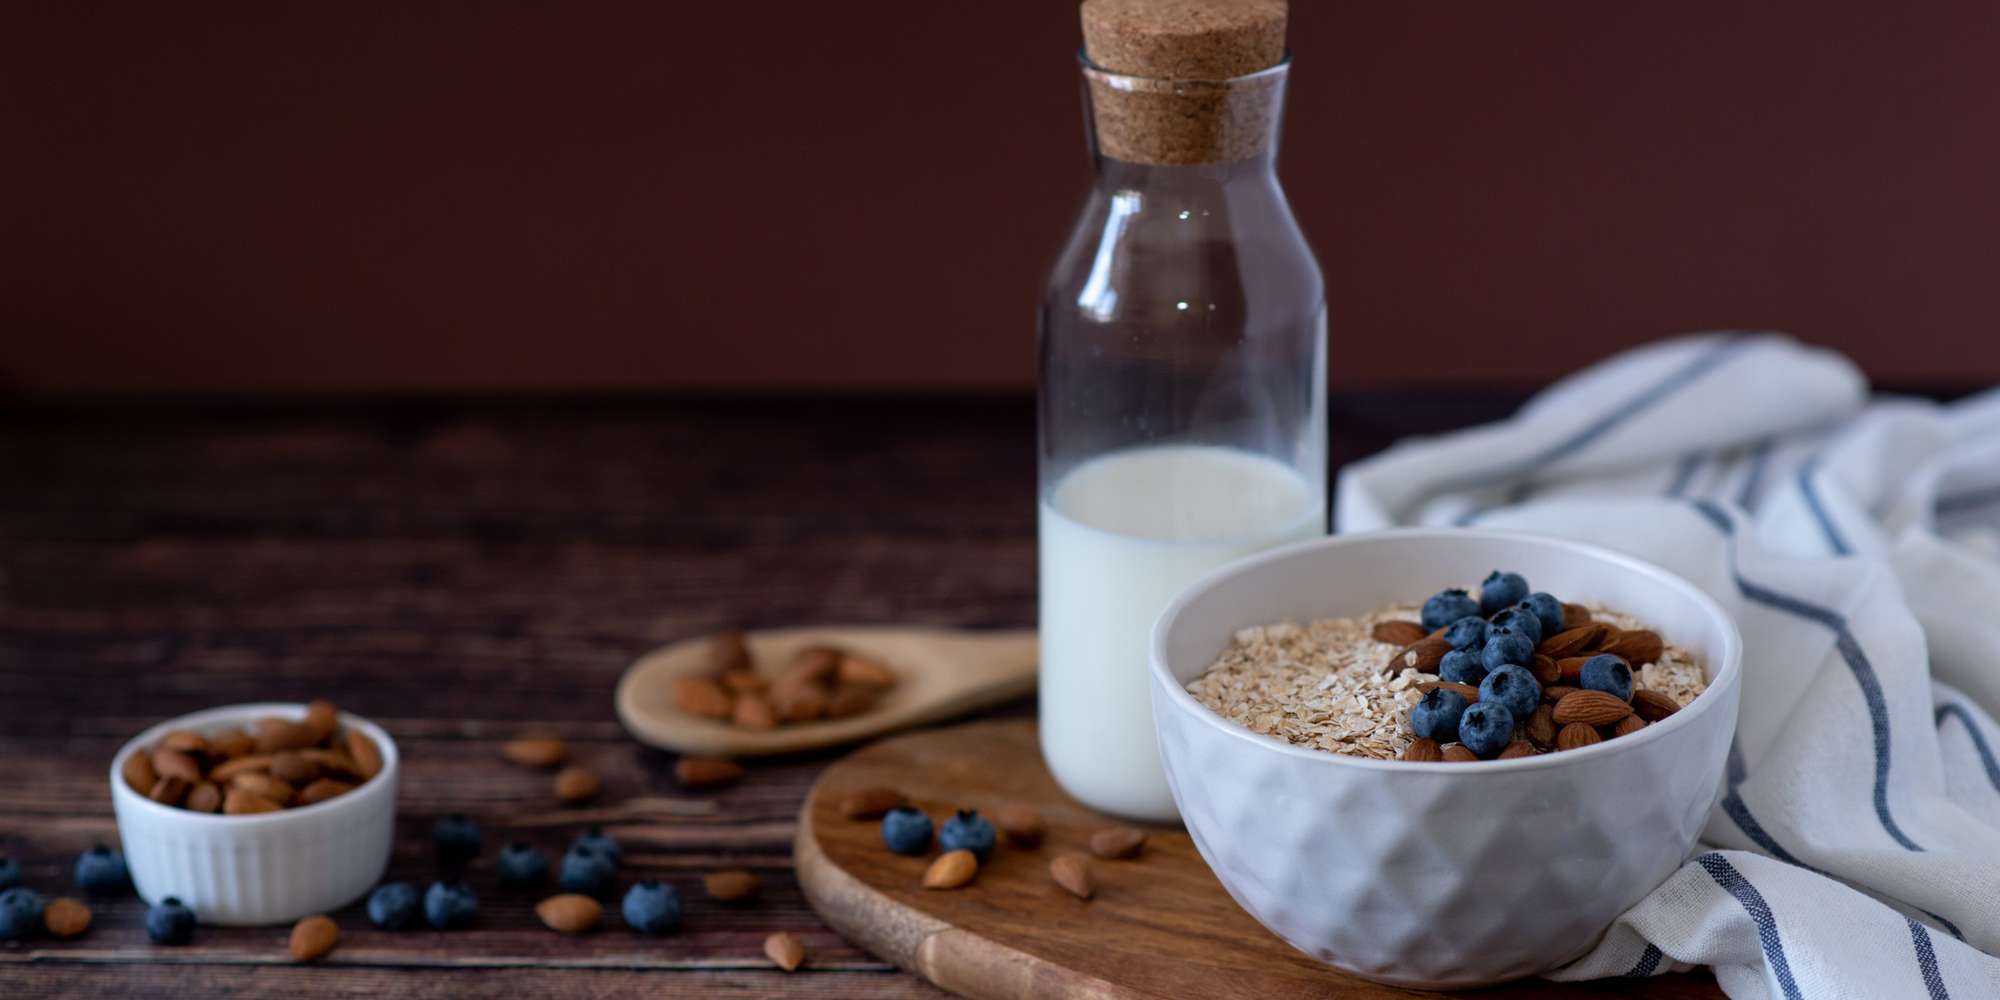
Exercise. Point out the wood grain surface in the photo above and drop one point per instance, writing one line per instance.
(465, 572)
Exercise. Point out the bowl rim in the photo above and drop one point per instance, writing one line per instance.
(223, 715)
(1724, 678)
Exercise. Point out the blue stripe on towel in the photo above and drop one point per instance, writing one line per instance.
(1649, 963)
(1850, 652)
(1684, 475)
(1811, 493)
(1927, 961)
(1978, 739)
(1760, 458)
(1738, 812)
(1733, 882)
(1959, 503)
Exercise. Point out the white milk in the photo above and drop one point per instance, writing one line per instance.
(1120, 536)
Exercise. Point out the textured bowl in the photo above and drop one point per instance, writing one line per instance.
(1439, 875)
(264, 869)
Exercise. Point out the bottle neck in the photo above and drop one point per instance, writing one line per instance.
(1227, 125)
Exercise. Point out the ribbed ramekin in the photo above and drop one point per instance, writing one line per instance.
(263, 869)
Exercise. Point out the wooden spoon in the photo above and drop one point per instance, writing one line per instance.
(939, 673)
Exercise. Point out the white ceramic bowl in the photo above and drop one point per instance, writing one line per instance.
(264, 869)
(1439, 875)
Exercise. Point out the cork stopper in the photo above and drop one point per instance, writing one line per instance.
(1176, 82)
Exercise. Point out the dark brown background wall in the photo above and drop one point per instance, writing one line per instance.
(635, 194)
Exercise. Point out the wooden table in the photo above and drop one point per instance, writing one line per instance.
(464, 572)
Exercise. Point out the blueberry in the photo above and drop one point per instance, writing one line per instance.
(20, 914)
(967, 831)
(601, 842)
(1486, 729)
(1436, 716)
(449, 905)
(1546, 610)
(1462, 667)
(1512, 688)
(394, 906)
(587, 870)
(521, 863)
(1499, 590)
(1468, 632)
(906, 831)
(10, 873)
(652, 907)
(457, 838)
(1608, 673)
(1520, 621)
(1506, 645)
(1447, 606)
(169, 921)
(101, 871)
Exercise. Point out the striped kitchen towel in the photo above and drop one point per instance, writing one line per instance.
(1855, 851)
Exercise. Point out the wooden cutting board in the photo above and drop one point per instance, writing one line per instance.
(1157, 926)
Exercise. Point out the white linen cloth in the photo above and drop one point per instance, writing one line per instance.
(1856, 850)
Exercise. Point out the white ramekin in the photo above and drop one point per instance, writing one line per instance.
(1439, 875)
(263, 869)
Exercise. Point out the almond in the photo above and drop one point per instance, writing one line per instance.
(535, 751)
(784, 951)
(1022, 826)
(1518, 748)
(1574, 615)
(733, 885)
(1456, 753)
(1541, 726)
(1638, 646)
(1072, 872)
(366, 755)
(575, 784)
(241, 803)
(849, 699)
(1569, 669)
(1545, 670)
(727, 652)
(1573, 641)
(313, 937)
(65, 917)
(176, 764)
(1470, 693)
(322, 790)
(701, 697)
(743, 682)
(798, 701)
(139, 773)
(291, 768)
(706, 772)
(1592, 708)
(1399, 633)
(1422, 749)
(274, 734)
(1576, 734)
(751, 711)
(569, 913)
(951, 870)
(1118, 842)
(168, 791)
(204, 797)
(264, 786)
(1653, 706)
(334, 763)
(231, 745)
(186, 741)
(1421, 656)
(862, 672)
(231, 768)
(1628, 725)
(870, 803)
(812, 665)
(1556, 692)
(322, 720)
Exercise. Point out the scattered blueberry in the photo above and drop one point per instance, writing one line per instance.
(1512, 688)
(10, 873)
(394, 906)
(1608, 673)
(1520, 621)
(1486, 729)
(1468, 632)
(587, 870)
(1499, 590)
(101, 871)
(20, 914)
(448, 905)
(521, 863)
(1547, 610)
(1462, 667)
(457, 838)
(169, 921)
(1436, 716)
(906, 831)
(967, 831)
(601, 842)
(1506, 645)
(1447, 606)
(652, 907)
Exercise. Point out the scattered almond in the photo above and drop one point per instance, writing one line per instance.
(1541, 726)
(701, 696)
(1118, 842)
(1467, 691)
(706, 772)
(1628, 725)
(366, 755)
(535, 751)
(575, 784)
(1518, 748)
(313, 937)
(322, 719)
(168, 791)
(752, 711)
(870, 803)
(1653, 706)
(1022, 826)
(322, 790)
(732, 885)
(65, 917)
(1545, 670)
(290, 767)
(1638, 646)
(186, 741)
(862, 672)
(951, 870)
(784, 951)
(1557, 692)
(1592, 708)
(138, 772)
(1072, 872)
(1576, 734)
(1422, 656)
(1575, 614)
(1423, 748)
(176, 764)
(569, 913)
(1399, 633)
(727, 651)
(204, 797)
(1573, 641)
(1456, 753)
(241, 803)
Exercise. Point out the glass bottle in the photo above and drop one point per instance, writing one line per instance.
(1182, 404)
